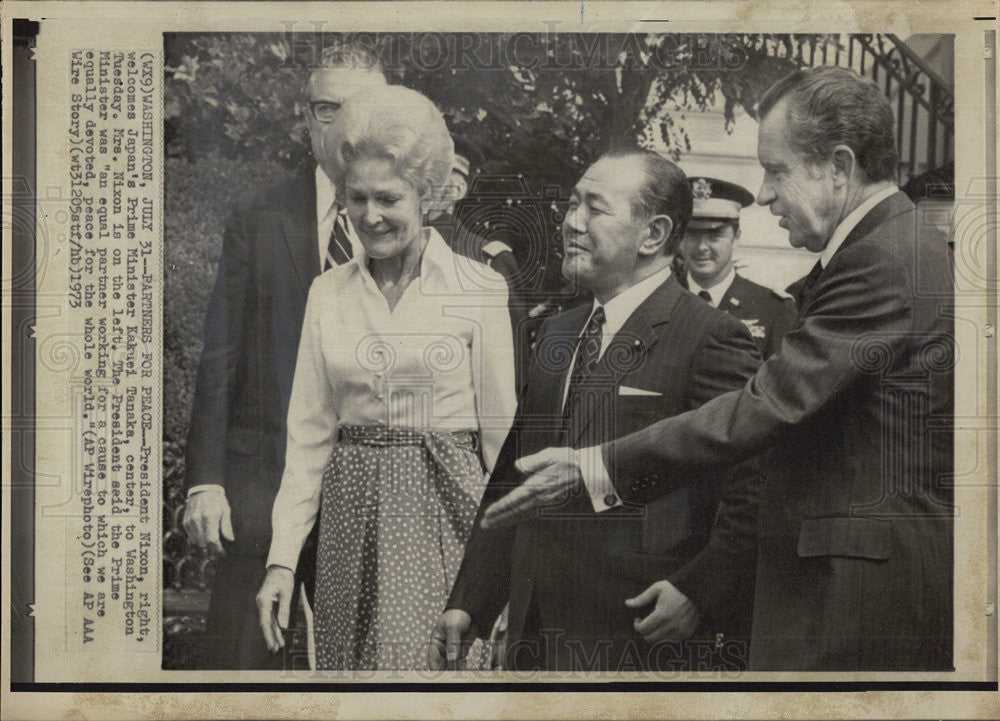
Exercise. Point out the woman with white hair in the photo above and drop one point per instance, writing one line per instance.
(403, 394)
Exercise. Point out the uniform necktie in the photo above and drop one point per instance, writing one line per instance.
(587, 354)
(705, 296)
(339, 250)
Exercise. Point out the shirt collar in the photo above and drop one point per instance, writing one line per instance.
(716, 291)
(848, 224)
(436, 263)
(618, 310)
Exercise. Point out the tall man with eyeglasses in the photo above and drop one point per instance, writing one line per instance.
(272, 250)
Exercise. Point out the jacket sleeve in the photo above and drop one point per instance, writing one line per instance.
(856, 320)
(715, 579)
(223, 338)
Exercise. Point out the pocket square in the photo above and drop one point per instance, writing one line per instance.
(628, 391)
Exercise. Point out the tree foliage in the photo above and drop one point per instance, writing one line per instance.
(544, 105)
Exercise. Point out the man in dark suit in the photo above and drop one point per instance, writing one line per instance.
(856, 518)
(585, 588)
(709, 272)
(272, 250)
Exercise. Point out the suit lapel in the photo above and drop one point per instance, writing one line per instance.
(733, 288)
(552, 359)
(298, 227)
(895, 204)
(626, 351)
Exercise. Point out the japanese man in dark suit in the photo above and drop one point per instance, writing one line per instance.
(587, 575)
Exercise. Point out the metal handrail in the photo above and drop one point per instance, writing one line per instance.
(923, 102)
(926, 69)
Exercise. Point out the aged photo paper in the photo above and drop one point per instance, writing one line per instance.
(134, 134)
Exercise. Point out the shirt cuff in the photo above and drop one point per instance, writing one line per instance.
(283, 552)
(206, 487)
(596, 479)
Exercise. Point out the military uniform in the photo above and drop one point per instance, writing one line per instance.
(766, 313)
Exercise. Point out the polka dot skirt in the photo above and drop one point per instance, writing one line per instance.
(396, 512)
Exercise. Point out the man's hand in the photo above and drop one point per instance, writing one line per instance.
(553, 474)
(673, 617)
(450, 640)
(275, 591)
(205, 516)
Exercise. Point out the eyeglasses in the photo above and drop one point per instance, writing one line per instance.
(324, 111)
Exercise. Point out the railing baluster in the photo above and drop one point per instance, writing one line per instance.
(912, 151)
(900, 109)
(932, 129)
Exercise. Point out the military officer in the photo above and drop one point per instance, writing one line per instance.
(707, 255)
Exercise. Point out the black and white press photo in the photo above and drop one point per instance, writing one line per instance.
(558, 352)
(499, 359)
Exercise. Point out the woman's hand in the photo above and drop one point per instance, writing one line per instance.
(276, 590)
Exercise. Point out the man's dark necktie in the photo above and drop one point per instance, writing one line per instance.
(339, 251)
(705, 296)
(587, 354)
(805, 290)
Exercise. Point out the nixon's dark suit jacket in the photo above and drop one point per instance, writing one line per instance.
(237, 434)
(855, 549)
(568, 572)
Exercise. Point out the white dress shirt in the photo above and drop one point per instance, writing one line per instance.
(616, 312)
(442, 359)
(326, 213)
(716, 291)
(595, 474)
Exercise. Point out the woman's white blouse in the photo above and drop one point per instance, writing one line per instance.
(443, 359)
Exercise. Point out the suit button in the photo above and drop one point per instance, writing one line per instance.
(610, 500)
